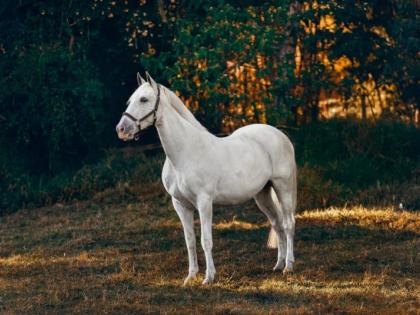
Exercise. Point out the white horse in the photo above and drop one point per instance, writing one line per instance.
(202, 170)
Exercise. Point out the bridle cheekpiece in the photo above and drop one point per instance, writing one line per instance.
(152, 112)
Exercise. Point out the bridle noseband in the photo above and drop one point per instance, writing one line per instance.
(152, 112)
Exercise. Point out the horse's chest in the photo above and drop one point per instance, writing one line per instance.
(177, 184)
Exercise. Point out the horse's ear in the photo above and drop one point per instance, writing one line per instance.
(140, 80)
(151, 81)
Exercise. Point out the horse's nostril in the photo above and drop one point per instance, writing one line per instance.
(120, 128)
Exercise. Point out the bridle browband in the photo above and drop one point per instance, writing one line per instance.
(152, 112)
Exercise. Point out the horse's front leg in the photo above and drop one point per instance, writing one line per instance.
(186, 214)
(205, 209)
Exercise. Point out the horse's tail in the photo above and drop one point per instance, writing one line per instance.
(272, 239)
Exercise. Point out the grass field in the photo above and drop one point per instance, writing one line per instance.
(116, 255)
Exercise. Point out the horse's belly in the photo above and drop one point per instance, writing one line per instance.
(231, 200)
(233, 190)
(229, 197)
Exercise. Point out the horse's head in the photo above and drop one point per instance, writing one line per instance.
(141, 111)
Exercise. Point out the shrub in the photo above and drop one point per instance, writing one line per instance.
(316, 190)
(124, 169)
(359, 154)
(51, 101)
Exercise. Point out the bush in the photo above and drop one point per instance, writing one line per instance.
(353, 162)
(51, 100)
(358, 154)
(118, 169)
(317, 190)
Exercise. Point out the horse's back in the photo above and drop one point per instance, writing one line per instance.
(261, 132)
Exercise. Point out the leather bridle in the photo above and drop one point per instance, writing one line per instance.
(152, 112)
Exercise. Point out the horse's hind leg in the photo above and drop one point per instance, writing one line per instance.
(286, 192)
(272, 209)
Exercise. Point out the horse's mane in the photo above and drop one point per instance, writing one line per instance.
(182, 110)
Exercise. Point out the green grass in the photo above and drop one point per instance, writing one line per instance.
(109, 255)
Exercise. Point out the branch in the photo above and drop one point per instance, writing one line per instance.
(162, 12)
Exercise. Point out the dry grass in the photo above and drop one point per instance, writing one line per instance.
(129, 257)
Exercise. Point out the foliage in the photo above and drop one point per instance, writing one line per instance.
(51, 101)
(51, 97)
(357, 162)
(374, 36)
(213, 48)
(235, 63)
(359, 153)
(402, 67)
(116, 170)
(67, 78)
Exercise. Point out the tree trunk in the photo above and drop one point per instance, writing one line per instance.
(363, 103)
(290, 43)
(162, 12)
(288, 49)
(315, 110)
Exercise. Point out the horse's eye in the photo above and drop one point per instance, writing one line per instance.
(143, 99)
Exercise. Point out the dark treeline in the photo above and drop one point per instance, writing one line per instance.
(69, 66)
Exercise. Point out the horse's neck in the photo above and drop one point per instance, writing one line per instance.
(182, 110)
(177, 135)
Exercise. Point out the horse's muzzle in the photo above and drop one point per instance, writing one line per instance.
(124, 131)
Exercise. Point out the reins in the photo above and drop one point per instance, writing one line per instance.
(152, 112)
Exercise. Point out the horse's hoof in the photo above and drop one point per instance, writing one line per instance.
(189, 278)
(288, 269)
(279, 265)
(208, 281)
